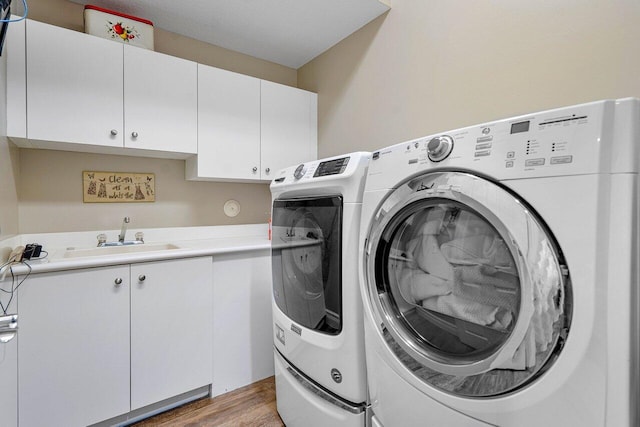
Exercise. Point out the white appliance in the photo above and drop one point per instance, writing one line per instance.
(317, 308)
(500, 273)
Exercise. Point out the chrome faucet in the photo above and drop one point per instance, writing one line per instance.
(102, 238)
(123, 231)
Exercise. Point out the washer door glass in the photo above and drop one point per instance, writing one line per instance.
(306, 261)
(467, 284)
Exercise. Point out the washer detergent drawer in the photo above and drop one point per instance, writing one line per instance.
(299, 406)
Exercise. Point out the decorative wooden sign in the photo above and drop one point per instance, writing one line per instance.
(118, 187)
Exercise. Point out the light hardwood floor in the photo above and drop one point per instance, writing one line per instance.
(253, 405)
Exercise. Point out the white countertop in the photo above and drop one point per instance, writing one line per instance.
(190, 242)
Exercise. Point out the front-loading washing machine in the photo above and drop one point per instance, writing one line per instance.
(499, 273)
(317, 308)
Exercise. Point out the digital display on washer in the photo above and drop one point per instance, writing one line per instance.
(332, 167)
(520, 127)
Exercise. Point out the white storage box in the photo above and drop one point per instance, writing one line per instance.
(118, 26)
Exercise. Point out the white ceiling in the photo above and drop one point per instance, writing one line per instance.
(287, 32)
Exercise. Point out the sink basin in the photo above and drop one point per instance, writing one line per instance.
(116, 250)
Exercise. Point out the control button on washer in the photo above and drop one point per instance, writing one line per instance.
(509, 164)
(482, 153)
(534, 162)
(511, 154)
(439, 148)
(300, 171)
(561, 160)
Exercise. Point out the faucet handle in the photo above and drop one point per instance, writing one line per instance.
(140, 236)
(102, 239)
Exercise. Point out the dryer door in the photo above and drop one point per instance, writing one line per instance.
(306, 261)
(467, 284)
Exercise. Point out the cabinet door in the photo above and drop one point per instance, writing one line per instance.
(15, 45)
(171, 314)
(160, 101)
(242, 331)
(74, 347)
(74, 87)
(8, 363)
(228, 125)
(288, 127)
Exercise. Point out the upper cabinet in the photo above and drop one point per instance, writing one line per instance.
(86, 90)
(72, 91)
(228, 126)
(288, 127)
(74, 87)
(249, 129)
(160, 101)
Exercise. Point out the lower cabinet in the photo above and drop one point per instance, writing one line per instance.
(171, 324)
(73, 347)
(242, 331)
(8, 361)
(97, 343)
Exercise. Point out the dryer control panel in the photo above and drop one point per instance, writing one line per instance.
(315, 169)
(332, 167)
(342, 174)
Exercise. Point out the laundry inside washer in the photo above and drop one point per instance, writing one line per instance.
(456, 289)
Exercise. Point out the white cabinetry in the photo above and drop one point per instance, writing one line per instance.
(249, 129)
(288, 127)
(171, 327)
(74, 347)
(242, 331)
(8, 364)
(74, 87)
(9, 389)
(97, 343)
(228, 126)
(160, 101)
(84, 91)
(16, 80)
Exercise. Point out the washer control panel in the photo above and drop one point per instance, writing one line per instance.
(581, 139)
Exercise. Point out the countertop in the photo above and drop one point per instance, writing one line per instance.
(188, 242)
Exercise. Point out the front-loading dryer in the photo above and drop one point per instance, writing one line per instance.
(499, 272)
(317, 308)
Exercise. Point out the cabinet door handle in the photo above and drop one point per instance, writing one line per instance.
(267, 170)
(142, 278)
(134, 134)
(118, 282)
(255, 169)
(114, 132)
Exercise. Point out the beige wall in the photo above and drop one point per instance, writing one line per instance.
(433, 65)
(50, 191)
(49, 182)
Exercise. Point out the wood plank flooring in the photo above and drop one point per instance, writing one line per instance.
(253, 405)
